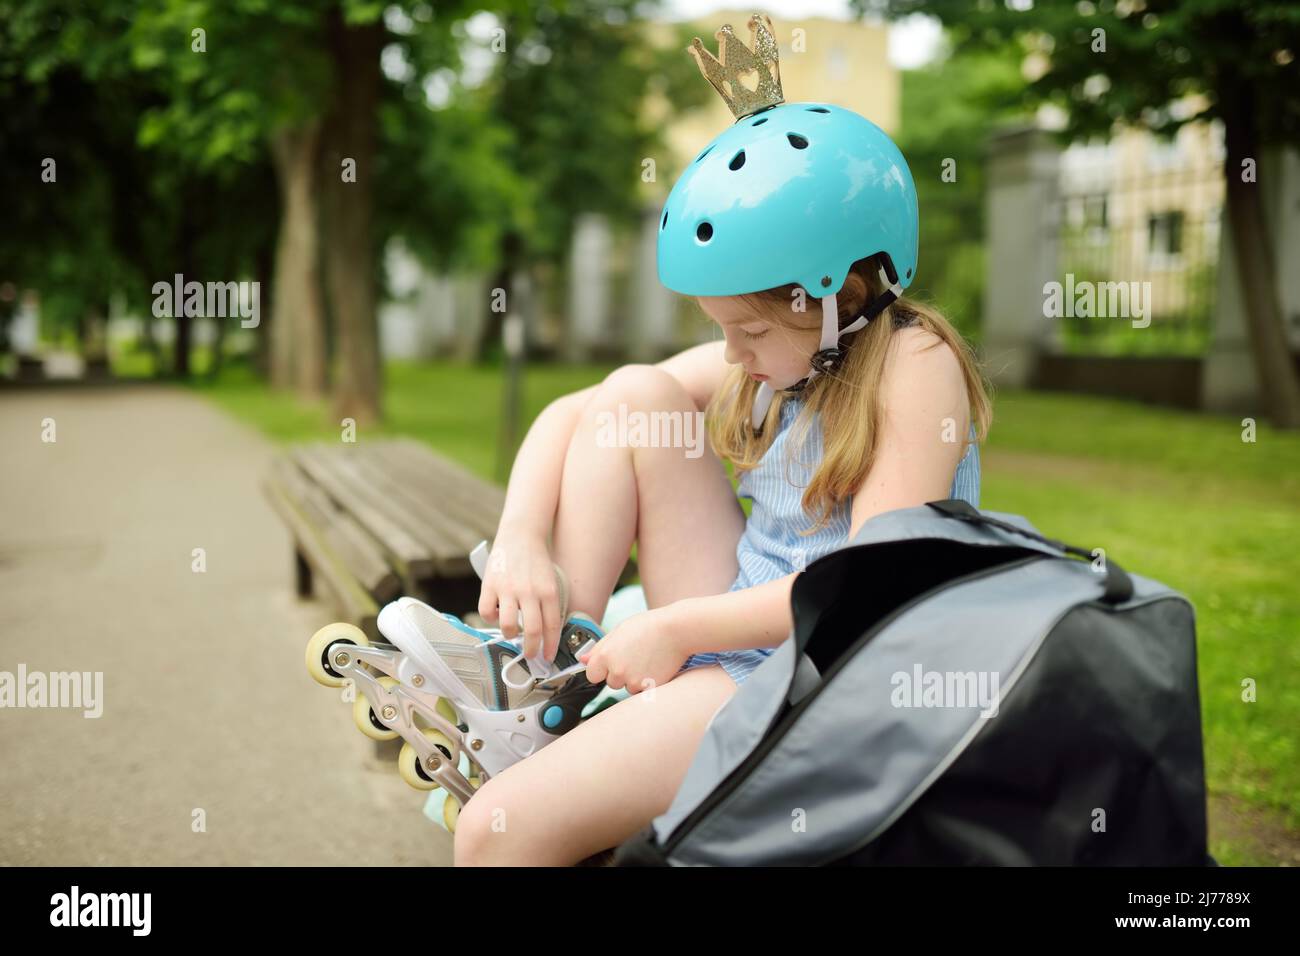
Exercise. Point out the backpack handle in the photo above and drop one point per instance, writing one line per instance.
(1118, 587)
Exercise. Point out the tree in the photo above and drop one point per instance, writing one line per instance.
(943, 137)
(239, 76)
(1131, 61)
(350, 134)
(304, 78)
(571, 90)
(110, 218)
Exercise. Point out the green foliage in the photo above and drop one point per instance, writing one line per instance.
(570, 91)
(447, 186)
(118, 217)
(1155, 52)
(162, 147)
(263, 65)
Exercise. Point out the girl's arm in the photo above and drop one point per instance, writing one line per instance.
(754, 617)
(925, 401)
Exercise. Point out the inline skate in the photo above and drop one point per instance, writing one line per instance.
(464, 700)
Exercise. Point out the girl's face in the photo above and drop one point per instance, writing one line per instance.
(769, 352)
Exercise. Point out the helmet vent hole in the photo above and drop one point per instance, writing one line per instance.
(703, 154)
(704, 232)
(759, 122)
(737, 161)
(797, 141)
(664, 223)
(818, 109)
(909, 273)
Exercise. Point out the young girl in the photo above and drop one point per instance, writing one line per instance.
(834, 398)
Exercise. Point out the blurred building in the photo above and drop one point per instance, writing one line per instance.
(1145, 214)
(1139, 208)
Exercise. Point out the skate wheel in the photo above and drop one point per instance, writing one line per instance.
(446, 709)
(318, 647)
(408, 761)
(367, 720)
(451, 807)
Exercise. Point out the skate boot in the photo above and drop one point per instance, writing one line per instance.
(466, 702)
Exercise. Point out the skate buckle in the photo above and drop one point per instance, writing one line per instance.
(571, 670)
(538, 669)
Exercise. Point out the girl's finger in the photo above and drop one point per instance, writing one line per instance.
(509, 622)
(487, 603)
(532, 627)
(551, 625)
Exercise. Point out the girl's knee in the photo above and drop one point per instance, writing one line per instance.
(641, 386)
(480, 829)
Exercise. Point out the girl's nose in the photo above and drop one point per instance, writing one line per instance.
(734, 354)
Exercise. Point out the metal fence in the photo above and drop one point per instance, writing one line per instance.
(1137, 259)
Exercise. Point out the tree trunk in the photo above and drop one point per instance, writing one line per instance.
(1255, 264)
(218, 347)
(511, 252)
(150, 344)
(263, 265)
(348, 206)
(184, 321)
(297, 322)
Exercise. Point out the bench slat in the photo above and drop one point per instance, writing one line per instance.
(406, 554)
(449, 538)
(478, 501)
(358, 606)
(446, 554)
(341, 532)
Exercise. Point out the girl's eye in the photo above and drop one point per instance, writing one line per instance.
(755, 335)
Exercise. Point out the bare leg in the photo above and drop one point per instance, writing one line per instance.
(681, 511)
(597, 785)
(605, 779)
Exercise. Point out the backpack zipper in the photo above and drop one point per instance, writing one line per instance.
(773, 736)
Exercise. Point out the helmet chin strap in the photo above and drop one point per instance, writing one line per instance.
(829, 355)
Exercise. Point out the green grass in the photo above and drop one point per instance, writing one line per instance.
(1171, 495)
(1181, 498)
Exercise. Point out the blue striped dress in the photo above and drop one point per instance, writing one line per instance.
(771, 546)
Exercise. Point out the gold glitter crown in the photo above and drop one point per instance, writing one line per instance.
(739, 61)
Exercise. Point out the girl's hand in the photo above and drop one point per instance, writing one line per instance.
(520, 579)
(644, 651)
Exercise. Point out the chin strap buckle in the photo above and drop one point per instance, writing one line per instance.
(828, 360)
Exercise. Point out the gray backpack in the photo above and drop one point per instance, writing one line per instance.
(958, 690)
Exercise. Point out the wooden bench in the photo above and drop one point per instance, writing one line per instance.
(379, 519)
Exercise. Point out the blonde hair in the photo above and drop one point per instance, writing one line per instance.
(847, 401)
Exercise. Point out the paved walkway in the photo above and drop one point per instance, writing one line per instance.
(206, 703)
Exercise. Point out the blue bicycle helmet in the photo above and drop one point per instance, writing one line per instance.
(792, 193)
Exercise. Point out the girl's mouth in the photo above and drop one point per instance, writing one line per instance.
(758, 378)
